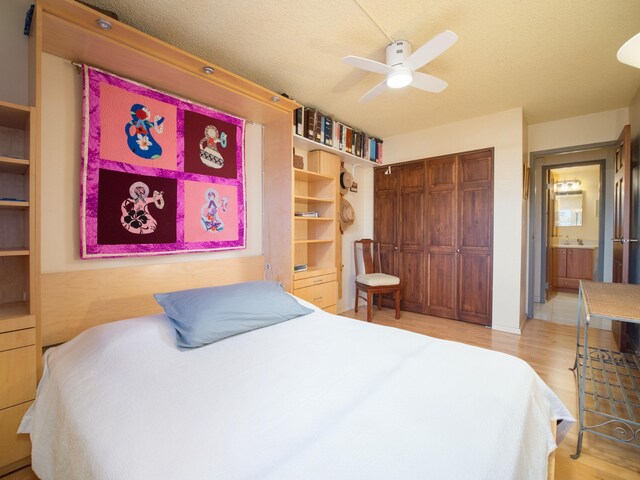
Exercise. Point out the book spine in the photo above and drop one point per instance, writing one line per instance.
(317, 118)
(328, 131)
(299, 118)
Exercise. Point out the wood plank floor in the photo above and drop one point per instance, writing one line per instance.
(549, 348)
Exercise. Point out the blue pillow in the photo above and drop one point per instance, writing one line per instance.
(206, 315)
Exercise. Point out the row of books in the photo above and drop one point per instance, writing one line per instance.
(312, 124)
(301, 267)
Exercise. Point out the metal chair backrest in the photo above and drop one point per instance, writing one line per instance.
(370, 255)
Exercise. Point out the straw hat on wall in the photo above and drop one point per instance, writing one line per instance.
(346, 180)
(347, 214)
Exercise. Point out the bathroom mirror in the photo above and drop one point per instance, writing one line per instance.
(569, 210)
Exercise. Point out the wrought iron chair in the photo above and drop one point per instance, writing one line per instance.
(372, 281)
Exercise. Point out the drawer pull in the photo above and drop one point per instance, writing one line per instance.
(317, 299)
(317, 280)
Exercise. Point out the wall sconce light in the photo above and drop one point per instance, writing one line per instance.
(567, 186)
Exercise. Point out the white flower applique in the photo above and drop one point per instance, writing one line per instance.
(143, 142)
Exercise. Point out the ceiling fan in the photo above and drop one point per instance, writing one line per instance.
(401, 66)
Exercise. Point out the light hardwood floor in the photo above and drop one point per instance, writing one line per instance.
(549, 348)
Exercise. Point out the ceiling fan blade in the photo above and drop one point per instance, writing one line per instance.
(428, 82)
(366, 64)
(374, 92)
(430, 50)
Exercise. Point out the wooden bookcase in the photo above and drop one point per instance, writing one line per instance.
(18, 355)
(315, 239)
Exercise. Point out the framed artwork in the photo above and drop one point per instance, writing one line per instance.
(160, 174)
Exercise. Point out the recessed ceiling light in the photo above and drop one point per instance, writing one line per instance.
(104, 24)
(208, 70)
(275, 98)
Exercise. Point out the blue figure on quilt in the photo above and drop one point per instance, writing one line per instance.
(140, 139)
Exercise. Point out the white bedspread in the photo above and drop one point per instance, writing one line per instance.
(318, 397)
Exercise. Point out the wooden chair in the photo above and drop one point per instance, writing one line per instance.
(372, 281)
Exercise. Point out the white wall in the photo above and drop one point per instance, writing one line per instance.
(60, 178)
(583, 130)
(362, 203)
(504, 132)
(14, 52)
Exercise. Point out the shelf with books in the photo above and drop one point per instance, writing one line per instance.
(313, 130)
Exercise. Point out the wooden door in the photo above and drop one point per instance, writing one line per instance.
(475, 237)
(551, 226)
(411, 236)
(441, 241)
(386, 218)
(622, 207)
(561, 263)
(622, 227)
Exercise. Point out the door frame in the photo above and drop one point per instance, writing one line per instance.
(536, 245)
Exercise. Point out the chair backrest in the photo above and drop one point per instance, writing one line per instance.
(369, 253)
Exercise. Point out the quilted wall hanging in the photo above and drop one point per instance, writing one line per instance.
(159, 175)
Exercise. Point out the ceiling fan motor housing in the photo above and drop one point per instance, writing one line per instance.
(398, 52)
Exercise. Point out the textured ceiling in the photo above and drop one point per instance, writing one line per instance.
(554, 58)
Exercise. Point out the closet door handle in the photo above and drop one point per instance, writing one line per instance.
(458, 250)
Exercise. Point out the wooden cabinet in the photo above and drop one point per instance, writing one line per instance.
(18, 355)
(434, 221)
(570, 265)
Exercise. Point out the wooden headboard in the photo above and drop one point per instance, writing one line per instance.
(71, 302)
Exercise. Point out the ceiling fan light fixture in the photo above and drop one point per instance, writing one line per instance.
(629, 53)
(399, 77)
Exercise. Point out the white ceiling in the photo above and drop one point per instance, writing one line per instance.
(554, 58)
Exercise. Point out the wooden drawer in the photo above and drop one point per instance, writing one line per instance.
(13, 447)
(17, 339)
(17, 376)
(307, 282)
(322, 295)
(331, 309)
(17, 323)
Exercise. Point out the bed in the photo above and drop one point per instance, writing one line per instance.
(316, 397)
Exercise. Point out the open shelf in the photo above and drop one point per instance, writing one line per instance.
(13, 310)
(309, 176)
(313, 199)
(13, 166)
(314, 241)
(13, 252)
(13, 204)
(306, 144)
(314, 219)
(13, 115)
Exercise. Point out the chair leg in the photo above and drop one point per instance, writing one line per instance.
(355, 309)
(397, 296)
(369, 300)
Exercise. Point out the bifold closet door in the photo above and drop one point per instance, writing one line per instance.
(411, 236)
(475, 237)
(386, 218)
(441, 241)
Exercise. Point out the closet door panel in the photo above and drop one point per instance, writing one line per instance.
(385, 218)
(411, 236)
(475, 226)
(474, 288)
(441, 291)
(441, 237)
(475, 237)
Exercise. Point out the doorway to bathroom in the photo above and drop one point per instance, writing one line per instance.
(571, 216)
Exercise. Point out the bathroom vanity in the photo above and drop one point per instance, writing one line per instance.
(572, 263)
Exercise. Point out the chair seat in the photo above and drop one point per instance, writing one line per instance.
(377, 279)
